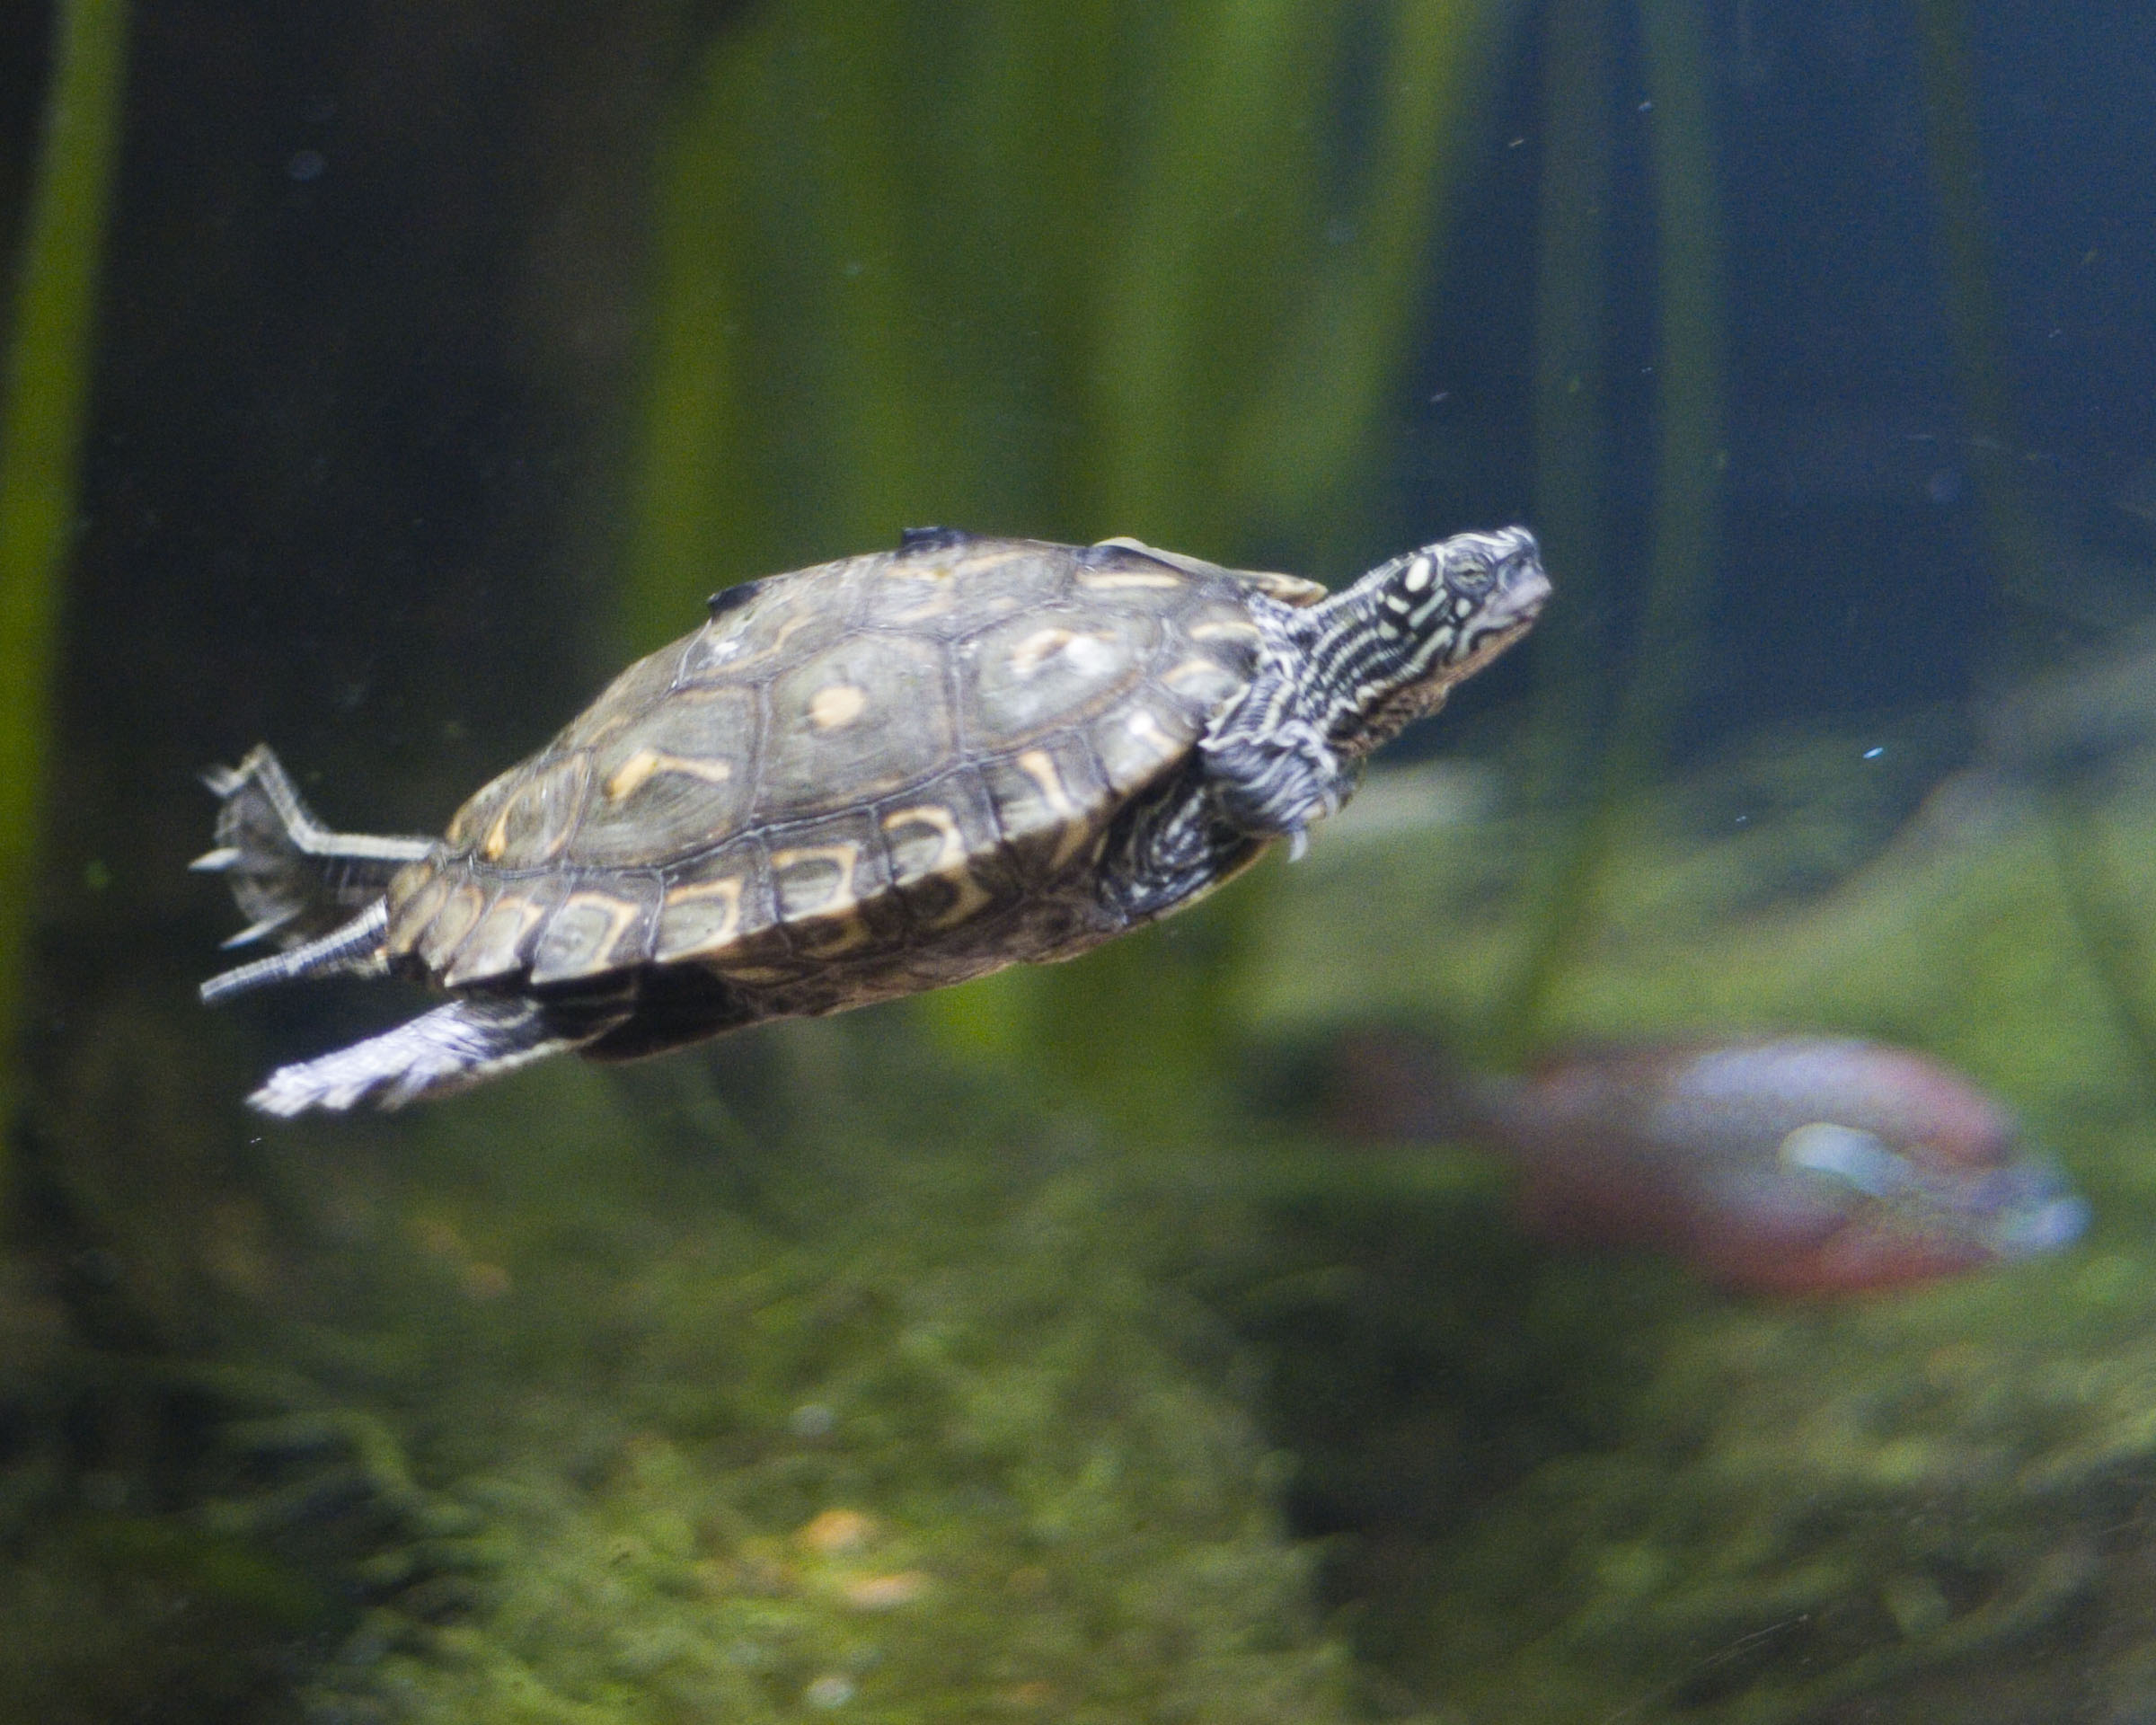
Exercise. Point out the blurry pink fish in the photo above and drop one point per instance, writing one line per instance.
(1794, 1164)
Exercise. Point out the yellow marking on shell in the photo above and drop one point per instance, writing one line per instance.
(1143, 724)
(1028, 655)
(842, 855)
(709, 918)
(1086, 654)
(1114, 578)
(951, 844)
(453, 921)
(949, 863)
(1037, 765)
(406, 884)
(492, 949)
(417, 911)
(1133, 748)
(1226, 628)
(844, 935)
(837, 704)
(1199, 670)
(631, 774)
(725, 650)
(754, 973)
(1288, 589)
(838, 908)
(530, 800)
(939, 603)
(982, 561)
(619, 914)
(904, 569)
(711, 772)
(647, 763)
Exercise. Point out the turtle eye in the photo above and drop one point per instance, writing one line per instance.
(1472, 578)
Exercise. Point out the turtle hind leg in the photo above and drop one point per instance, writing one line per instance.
(436, 1053)
(295, 880)
(674, 1006)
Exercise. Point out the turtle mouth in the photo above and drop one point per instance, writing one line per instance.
(1524, 596)
(1509, 614)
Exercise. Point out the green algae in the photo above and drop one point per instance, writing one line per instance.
(1757, 1513)
(44, 416)
(921, 1431)
(822, 1376)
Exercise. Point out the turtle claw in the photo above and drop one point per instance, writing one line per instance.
(257, 931)
(217, 862)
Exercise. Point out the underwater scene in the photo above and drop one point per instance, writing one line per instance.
(549, 1177)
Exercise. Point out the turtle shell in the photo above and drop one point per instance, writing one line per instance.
(885, 759)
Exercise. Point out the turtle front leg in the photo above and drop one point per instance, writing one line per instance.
(1170, 848)
(1271, 769)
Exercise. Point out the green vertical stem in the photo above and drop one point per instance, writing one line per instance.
(1973, 319)
(1573, 681)
(2092, 896)
(1688, 459)
(42, 414)
(691, 434)
(881, 429)
(1315, 429)
(1250, 349)
(2112, 940)
(1225, 163)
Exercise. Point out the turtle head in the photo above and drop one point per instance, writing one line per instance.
(1390, 649)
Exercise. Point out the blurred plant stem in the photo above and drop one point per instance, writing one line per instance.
(1689, 457)
(44, 406)
(2117, 948)
(1070, 271)
(2099, 907)
(1573, 684)
(1973, 321)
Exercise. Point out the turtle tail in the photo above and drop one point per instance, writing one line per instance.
(296, 880)
(436, 1053)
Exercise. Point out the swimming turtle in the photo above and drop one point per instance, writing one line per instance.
(860, 780)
